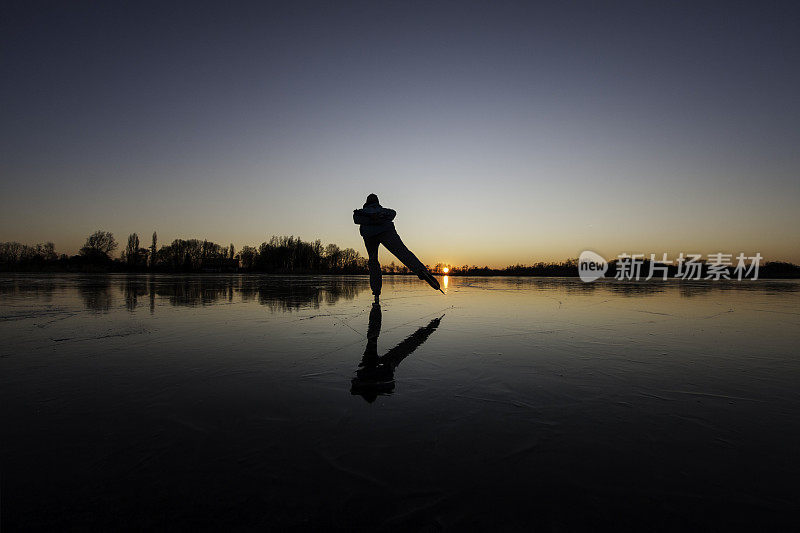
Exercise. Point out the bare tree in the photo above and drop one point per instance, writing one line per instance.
(99, 243)
(132, 250)
(247, 256)
(153, 250)
(333, 256)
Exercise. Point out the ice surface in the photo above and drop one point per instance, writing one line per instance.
(236, 401)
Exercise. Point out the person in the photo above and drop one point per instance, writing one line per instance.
(375, 374)
(377, 227)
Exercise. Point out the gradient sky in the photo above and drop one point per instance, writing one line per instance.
(501, 132)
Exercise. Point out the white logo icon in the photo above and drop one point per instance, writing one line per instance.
(591, 266)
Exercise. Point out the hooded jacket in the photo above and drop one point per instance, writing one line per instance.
(374, 219)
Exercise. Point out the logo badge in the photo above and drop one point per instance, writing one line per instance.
(591, 266)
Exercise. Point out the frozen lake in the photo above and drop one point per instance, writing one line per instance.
(215, 402)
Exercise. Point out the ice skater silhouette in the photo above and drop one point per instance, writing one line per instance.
(377, 228)
(375, 374)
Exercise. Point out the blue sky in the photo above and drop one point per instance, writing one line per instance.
(501, 132)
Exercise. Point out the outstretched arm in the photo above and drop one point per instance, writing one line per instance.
(384, 215)
(359, 217)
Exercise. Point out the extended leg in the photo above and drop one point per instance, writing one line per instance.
(391, 240)
(375, 281)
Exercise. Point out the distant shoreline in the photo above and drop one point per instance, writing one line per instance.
(284, 255)
(10, 273)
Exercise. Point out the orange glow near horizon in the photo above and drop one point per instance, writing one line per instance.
(445, 270)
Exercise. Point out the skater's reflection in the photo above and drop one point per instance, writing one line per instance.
(375, 374)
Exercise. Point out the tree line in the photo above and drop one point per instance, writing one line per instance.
(284, 254)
